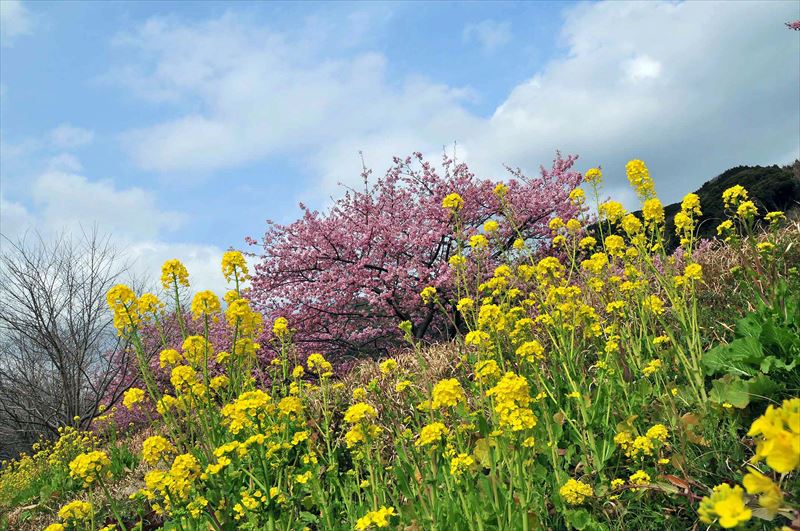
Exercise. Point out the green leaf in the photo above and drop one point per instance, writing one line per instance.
(578, 519)
(308, 517)
(778, 339)
(731, 389)
(762, 387)
(740, 356)
(749, 326)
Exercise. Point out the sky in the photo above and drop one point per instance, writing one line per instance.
(181, 127)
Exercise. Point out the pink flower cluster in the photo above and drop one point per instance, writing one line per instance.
(345, 278)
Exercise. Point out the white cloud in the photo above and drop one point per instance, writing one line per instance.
(648, 92)
(263, 96)
(66, 136)
(202, 262)
(14, 218)
(489, 34)
(70, 201)
(632, 84)
(64, 162)
(642, 67)
(15, 20)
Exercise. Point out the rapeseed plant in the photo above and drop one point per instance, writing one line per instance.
(576, 394)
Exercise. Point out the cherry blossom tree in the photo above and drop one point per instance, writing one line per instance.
(345, 278)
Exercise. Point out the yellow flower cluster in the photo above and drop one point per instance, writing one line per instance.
(733, 196)
(248, 322)
(123, 302)
(639, 177)
(575, 492)
(280, 328)
(642, 445)
(770, 495)
(319, 365)
(359, 412)
(148, 305)
(205, 304)
(746, 210)
(156, 448)
(653, 211)
(75, 512)
(491, 226)
(234, 266)
(453, 202)
(612, 211)
(379, 518)
(512, 397)
(249, 407)
(183, 378)
(531, 351)
(174, 274)
(197, 350)
(447, 393)
(652, 367)
(388, 366)
(132, 397)
(778, 436)
(478, 241)
(431, 433)
(726, 506)
(169, 358)
(593, 176)
(428, 294)
(90, 467)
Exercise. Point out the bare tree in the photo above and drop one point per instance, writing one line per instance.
(60, 356)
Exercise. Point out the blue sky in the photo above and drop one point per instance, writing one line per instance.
(181, 127)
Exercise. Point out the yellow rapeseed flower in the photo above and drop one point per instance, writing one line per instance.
(379, 518)
(733, 195)
(593, 176)
(778, 436)
(132, 397)
(205, 303)
(447, 393)
(173, 273)
(770, 494)
(234, 266)
(431, 433)
(75, 511)
(575, 492)
(359, 412)
(726, 506)
(388, 366)
(453, 202)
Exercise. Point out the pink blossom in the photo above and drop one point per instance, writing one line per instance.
(345, 278)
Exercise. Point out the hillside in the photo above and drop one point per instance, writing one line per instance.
(771, 187)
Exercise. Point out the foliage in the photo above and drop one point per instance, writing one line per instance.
(345, 277)
(577, 397)
(44, 474)
(762, 361)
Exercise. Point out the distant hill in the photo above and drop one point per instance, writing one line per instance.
(770, 187)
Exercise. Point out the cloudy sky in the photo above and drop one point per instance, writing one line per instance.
(180, 127)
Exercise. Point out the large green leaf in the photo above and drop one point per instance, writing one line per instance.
(741, 356)
(730, 389)
(749, 326)
(778, 339)
(762, 387)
